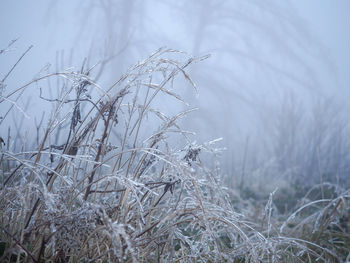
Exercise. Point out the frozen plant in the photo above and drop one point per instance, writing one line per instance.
(113, 188)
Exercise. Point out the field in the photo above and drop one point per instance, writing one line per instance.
(108, 177)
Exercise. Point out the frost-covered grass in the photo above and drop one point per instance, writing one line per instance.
(105, 184)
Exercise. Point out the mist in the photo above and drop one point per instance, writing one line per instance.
(267, 81)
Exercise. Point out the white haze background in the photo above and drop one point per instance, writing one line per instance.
(271, 61)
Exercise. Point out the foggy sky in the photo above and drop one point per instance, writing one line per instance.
(54, 28)
(262, 54)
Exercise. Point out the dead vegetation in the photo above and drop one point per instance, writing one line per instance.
(101, 186)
